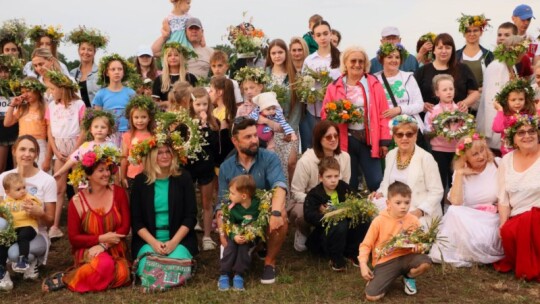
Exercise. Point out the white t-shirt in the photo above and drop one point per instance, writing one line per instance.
(65, 122)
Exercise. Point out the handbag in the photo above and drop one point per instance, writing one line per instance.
(161, 273)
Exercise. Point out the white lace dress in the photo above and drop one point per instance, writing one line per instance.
(471, 235)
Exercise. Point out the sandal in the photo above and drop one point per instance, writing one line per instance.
(53, 283)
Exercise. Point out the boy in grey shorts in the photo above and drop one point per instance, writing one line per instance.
(404, 262)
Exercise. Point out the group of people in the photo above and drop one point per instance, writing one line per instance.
(128, 143)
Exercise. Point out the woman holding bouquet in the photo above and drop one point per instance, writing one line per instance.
(366, 141)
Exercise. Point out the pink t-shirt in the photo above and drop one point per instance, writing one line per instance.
(439, 143)
(128, 141)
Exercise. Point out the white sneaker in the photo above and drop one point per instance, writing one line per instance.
(198, 227)
(300, 241)
(55, 232)
(208, 244)
(5, 283)
(32, 273)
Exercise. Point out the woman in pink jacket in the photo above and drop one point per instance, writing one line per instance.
(366, 142)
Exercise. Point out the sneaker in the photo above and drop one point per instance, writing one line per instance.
(208, 244)
(22, 264)
(238, 283)
(223, 283)
(32, 273)
(5, 281)
(410, 285)
(337, 267)
(198, 227)
(55, 232)
(354, 262)
(269, 275)
(299, 241)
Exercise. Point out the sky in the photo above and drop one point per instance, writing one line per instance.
(131, 23)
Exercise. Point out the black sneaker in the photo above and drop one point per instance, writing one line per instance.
(269, 275)
(21, 265)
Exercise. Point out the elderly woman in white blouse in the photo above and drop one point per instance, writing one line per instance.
(412, 165)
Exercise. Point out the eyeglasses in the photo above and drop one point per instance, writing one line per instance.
(530, 132)
(331, 137)
(357, 61)
(407, 135)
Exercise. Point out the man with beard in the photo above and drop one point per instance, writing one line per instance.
(265, 168)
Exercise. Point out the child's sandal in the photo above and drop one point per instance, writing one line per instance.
(53, 283)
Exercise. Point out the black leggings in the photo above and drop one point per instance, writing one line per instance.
(24, 236)
(444, 161)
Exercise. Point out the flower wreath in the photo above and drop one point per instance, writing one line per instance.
(187, 53)
(256, 228)
(108, 155)
(515, 122)
(399, 119)
(387, 48)
(467, 126)
(7, 235)
(129, 68)
(88, 35)
(516, 85)
(344, 111)
(32, 84)
(38, 31)
(13, 30)
(469, 20)
(136, 82)
(176, 129)
(428, 37)
(355, 208)
(256, 75)
(306, 86)
(465, 143)
(510, 54)
(141, 102)
(89, 116)
(60, 80)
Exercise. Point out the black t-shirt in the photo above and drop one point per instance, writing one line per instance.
(156, 89)
(465, 81)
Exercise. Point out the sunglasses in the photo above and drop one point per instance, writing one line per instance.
(331, 137)
(408, 135)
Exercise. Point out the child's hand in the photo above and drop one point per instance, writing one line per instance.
(462, 106)
(367, 274)
(322, 208)
(374, 195)
(203, 116)
(497, 106)
(294, 137)
(239, 239)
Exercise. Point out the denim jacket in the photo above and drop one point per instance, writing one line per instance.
(91, 80)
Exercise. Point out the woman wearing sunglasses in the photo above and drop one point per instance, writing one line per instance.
(306, 175)
(413, 166)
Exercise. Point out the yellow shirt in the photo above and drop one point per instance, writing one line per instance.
(220, 113)
(21, 217)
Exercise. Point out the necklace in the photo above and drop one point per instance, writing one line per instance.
(402, 165)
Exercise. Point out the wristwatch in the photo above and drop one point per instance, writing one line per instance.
(276, 213)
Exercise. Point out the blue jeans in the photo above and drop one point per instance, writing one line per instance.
(371, 167)
(307, 124)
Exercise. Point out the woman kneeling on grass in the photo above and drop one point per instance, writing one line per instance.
(98, 221)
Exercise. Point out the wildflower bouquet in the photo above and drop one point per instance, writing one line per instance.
(343, 111)
(355, 208)
(510, 54)
(412, 238)
(282, 93)
(429, 37)
(311, 85)
(7, 233)
(256, 228)
(247, 40)
(453, 124)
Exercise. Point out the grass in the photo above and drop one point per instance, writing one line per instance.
(302, 278)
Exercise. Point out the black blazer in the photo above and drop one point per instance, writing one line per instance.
(182, 210)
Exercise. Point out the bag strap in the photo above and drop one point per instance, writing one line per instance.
(389, 90)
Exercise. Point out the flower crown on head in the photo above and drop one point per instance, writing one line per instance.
(38, 31)
(88, 35)
(13, 30)
(108, 155)
(129, 68)
(256, 75)
(12, 64)
(33, 84)
(387, 48)
(402, 118)
(472, 20)
(509, 54)
(515, 122)
(89, 116)
(430, 36)
(60, 80)
(516, 85)
(466, 142)
(141, 102)
(187, 53)
(176, 129)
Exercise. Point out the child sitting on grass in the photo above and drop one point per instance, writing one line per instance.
(402, 261)
(244, 209)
